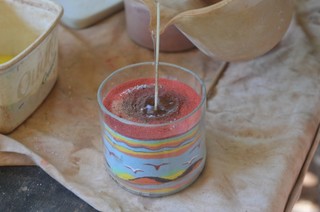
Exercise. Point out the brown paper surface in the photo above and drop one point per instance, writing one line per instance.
(262, 121)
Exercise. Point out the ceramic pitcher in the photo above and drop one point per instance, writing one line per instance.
(228, 30)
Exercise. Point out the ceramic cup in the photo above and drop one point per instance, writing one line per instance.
(137, 23)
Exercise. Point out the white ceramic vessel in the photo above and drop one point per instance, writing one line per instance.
(29, 34)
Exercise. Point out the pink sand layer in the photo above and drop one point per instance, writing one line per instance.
(117, 95)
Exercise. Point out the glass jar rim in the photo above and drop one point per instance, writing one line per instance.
(128, 122)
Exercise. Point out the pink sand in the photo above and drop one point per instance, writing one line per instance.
(115, 98)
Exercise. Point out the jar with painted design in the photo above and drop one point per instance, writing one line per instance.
(153, 152)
